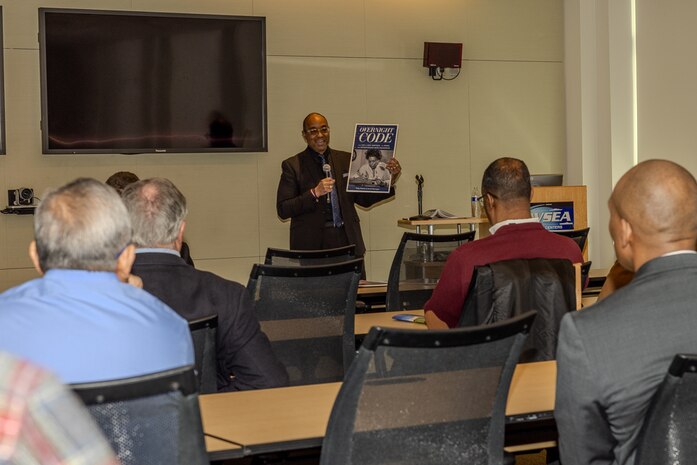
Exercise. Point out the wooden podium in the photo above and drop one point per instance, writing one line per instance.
(574, 194)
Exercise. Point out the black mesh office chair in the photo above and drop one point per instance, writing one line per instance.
(585, 272)
(309, 257)
(580, 236)
(416, 268)
(308, 314)
(426, 397)
(507, 288)
(203, 333)
(668, 433)
(152, 419)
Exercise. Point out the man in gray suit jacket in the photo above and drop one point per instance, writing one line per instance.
(612, 356)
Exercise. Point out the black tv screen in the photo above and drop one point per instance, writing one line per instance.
(132, 82)
(2, 90)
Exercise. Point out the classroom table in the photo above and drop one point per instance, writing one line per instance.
(378, 290)
(272, 420)
(431, 223)
(219, 449)
(375, 295)
(365, 321)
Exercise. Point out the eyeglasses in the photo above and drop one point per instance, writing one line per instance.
(315, 131)
(482, 196)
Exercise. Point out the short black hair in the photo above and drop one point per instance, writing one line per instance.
(314, 113)
(121, 179)
(507, 179)
(373, 153)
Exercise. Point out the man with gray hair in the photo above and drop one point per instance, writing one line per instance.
(244, 356)
(81, 320)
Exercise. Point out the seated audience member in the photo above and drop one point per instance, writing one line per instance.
(81, 320)
(245, 359)
(514, 235)
(613, 355)
(43, 422)
(616, 278)
(119, 181)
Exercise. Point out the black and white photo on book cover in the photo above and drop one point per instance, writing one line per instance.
(373, 146)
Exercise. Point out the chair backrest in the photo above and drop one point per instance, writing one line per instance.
(580, 236)
(508, 288)
(426, 397)
(416, 267)
(152, 419)
(668, 433)
(285, 257)
(203, 333)
(585, 271)
(308, 315)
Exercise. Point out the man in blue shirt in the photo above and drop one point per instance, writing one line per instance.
(82, 320)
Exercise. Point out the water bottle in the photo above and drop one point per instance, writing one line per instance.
(475, 203)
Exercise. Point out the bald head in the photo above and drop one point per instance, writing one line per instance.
(657, 200)
(311, 117)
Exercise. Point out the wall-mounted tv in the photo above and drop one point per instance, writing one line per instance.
(134, 82)
(2, 90)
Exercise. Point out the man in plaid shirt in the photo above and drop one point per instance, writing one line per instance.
(43, 422)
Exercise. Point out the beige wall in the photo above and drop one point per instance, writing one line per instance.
(667, 81)
(350, 60)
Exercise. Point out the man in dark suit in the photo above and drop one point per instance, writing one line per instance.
(305, 193)
(244, 356)
(612, 356)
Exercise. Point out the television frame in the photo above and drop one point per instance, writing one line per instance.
(3, 140)
(147, 150)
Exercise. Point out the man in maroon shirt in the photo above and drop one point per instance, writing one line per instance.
(515, 234)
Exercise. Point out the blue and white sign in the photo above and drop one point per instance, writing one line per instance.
(554, 216)
(373, 146)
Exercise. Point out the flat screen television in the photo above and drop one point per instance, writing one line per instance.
(2, 90)
(135, 82)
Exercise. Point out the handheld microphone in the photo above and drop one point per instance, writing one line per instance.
(327, 174)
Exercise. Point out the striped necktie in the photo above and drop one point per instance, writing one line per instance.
(333, 196)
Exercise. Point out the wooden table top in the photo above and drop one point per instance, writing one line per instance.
(216, 446)
(370, 290)
(374, 290)
(382, 289)
(365, 321)
(405, 222)
(295, 417)
(282, 418)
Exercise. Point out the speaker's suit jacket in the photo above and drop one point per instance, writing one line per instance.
(294, 200)
(612, 356)
(244, 356)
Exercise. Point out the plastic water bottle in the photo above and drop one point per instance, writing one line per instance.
(475, 203)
